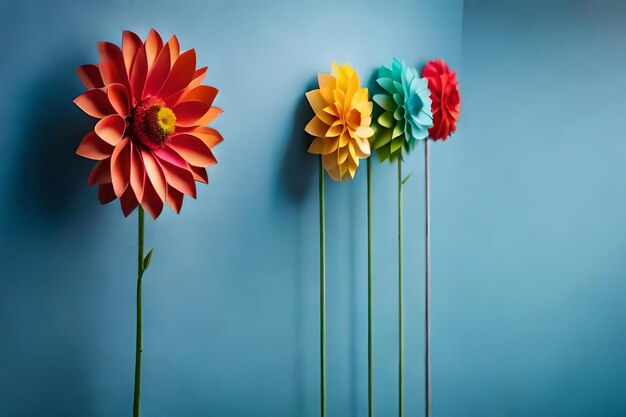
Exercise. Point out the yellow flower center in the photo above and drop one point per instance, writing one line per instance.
(166, 121)
(153, 123)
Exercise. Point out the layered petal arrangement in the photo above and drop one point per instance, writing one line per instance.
(341, 126)
(151, 140)
(444, 92)
(406, 110)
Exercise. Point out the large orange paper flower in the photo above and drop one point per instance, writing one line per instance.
(151, 141)
(341, 125)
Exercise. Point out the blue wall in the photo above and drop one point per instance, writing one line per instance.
(529, 231)
(527, 198)
(231, 296)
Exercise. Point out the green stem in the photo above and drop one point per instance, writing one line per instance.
(400, 325)
(370, 340)
(322, 296)
(139, 339)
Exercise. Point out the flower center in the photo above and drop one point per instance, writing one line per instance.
(153, 123)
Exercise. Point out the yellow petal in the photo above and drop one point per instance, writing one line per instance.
(316, 128)
(318, 102)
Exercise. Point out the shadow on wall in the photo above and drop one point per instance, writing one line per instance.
(298, 167)
(46, 182)
(49, 173)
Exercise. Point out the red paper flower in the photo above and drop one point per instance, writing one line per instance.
(444, 92)
(151, 141)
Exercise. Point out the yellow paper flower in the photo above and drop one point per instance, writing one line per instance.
(341, 126)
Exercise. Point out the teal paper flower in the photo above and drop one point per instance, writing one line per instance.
(406, 110)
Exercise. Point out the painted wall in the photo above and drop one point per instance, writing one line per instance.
(529, 204)
(231, 297)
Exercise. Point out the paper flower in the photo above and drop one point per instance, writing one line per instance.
(406, 113)
(151, 142)
(341, 125)
(444, 92)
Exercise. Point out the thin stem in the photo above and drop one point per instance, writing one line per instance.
(370, 340)
(427, 303)
(139, 339)
(322, 295)
(400, 324)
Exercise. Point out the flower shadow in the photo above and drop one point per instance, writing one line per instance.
(297, 168)
(49, 174)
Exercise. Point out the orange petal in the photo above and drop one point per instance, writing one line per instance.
(138, 74)
(95, 103)
(101, 173)
(192, 149)
(174, 199)
(153, 44)
(198, 76)
(180, 75)
(209, 136)
(154, 174)
(120, 166)
(119, 99)
(90, 76)
(92, 147)
(106, 193)
(203, 93)
(174, 48)
(137, 173)
(130, 45)
(111, 129)
(111, 65)
(209, 116)
(158, 73)
(128, 202)
(199, 174)
(189, 112)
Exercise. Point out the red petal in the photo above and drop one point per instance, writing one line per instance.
(130, 45)
(120, 166)
(192, 149)
(111, 129)
(111, 65)
(154, 44)
(179, 178)
(106, 193)
(95, 103)
(189, 112)
(174, 48)
(151, 201)
(158, 73)
(119, 99)
(90, 76)
(154, 174)
(174, 199)
(203, 93)
(128, 202)
(138, 74)
(92, 147)
(101, 173)
(181, 74)
(137, 173)
(199, 174)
